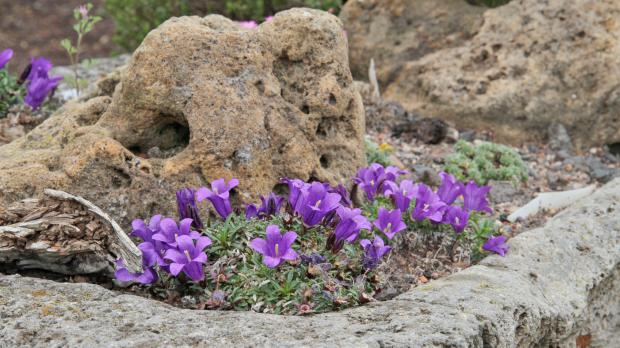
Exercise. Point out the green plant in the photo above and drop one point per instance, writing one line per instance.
(484, 162)
(11, 92)
(280, 5)
(377, 153)
(259, 9)
(135, 18)
(481, 228)
(84, 24)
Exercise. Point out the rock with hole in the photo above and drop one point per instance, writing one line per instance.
(201, 99)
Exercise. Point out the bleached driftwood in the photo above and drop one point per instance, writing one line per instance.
(372, 78)
(550, 200)
(63, 233)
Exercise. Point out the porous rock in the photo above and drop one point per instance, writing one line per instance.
(201, 99)
(530, 64)
(394, 32)
(559, 285)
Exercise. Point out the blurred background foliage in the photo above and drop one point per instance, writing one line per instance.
(135, 18)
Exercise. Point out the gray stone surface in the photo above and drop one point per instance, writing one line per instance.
(558, 284)
(91, 72)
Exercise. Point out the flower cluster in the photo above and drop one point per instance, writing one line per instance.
(399, 204)
(171, 247)
(39, 85)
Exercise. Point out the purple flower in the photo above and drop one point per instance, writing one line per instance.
(270, 206)
(402, 195)
(457, 217)
(169, 231)
(152, 250)
(248, 24)
(38, 68)
(390, 222)
(143, 231)
(218, 195)
(373, 178)
(345, 197)
(276, 247)
(450, 188)
(189, 257)
(373, 252)
(148, 275)
(496, 244)
(251, 212)
(351, 222)
(428, 205)
(268, 19)
(38, 89)
(296, 192)
(317, 203)
(186, 205)
(5, 56)
(474, 197)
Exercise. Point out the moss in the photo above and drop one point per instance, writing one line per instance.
(484, 162)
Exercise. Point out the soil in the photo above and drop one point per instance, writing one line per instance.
(35, 27)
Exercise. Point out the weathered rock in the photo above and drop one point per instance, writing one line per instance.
(532, 63)
(558, 284)
(394, 32)
(202, 99)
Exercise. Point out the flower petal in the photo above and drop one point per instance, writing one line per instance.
(287, 240)
(175, 256)
(186, 243)
(289, 255)
(271, 262)
(169, 226)
(184, 226)
(273, 234)
(202, 243)
(203, 193)
(260, 245)
(148, 277)
(364, 243)
(176, 268)
(201, 258)
(233, 183)
(194, 271)
(124, 275)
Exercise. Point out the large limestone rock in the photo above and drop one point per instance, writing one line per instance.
(559, 286)
(202, 99)
(531, 64)
(394, 32)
